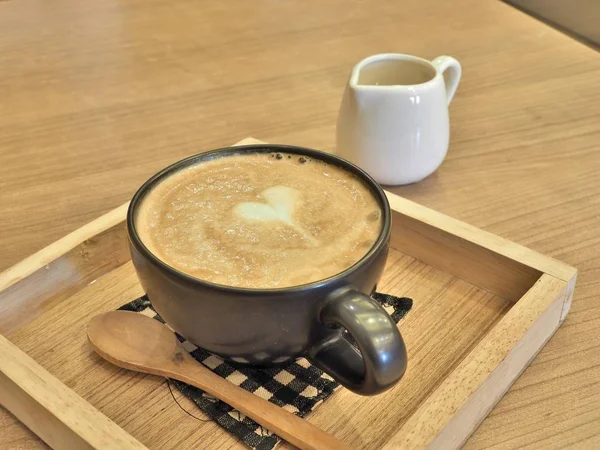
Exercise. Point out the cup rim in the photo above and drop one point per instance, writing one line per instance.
(260, 148)
(391, 56)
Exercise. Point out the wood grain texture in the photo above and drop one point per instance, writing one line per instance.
(481, 376)
(97, 96)
(39, 282)
(54, 412)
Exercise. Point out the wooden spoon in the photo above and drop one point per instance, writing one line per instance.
(137, 342)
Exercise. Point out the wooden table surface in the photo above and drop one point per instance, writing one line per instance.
(96, 96)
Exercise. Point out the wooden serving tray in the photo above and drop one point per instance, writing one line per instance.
(483, 308)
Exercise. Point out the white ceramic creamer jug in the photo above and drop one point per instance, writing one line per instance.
(393, 120)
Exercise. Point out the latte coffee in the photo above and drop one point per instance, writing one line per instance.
(260, 220)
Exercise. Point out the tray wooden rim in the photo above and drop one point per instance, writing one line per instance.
(540, 287)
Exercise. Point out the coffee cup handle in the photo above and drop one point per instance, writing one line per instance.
(380, 360)
(448, 63)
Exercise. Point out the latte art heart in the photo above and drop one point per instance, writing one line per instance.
(260, 220)
(280, 206)
(280, 203)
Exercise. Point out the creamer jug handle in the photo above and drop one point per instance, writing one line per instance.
(452, 78)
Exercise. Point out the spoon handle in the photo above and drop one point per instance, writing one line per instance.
(290, 427)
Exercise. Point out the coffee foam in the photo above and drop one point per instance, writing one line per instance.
(260, 220)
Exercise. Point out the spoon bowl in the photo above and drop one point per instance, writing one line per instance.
(148, 342)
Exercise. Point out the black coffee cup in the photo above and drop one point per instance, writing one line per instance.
(271, 326)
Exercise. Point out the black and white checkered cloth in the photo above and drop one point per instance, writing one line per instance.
(298, 386)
